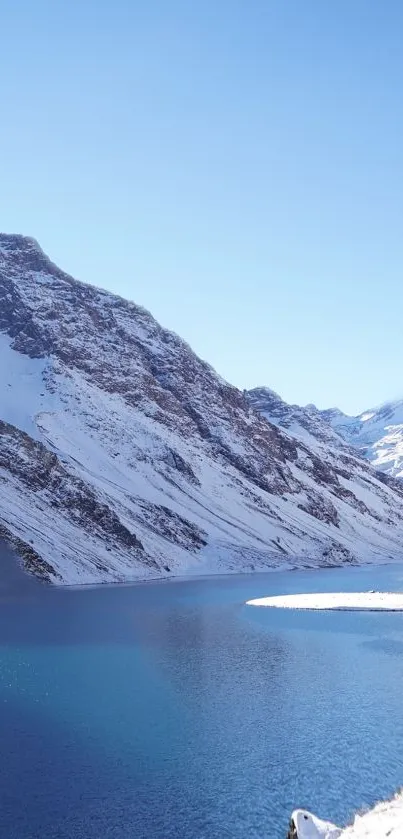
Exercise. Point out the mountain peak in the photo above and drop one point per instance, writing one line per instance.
(265, 391)
(16, 241)
(302, 423)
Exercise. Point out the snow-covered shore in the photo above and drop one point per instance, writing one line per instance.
(372, 601)
(384, 820)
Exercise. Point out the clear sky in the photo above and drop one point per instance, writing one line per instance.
(236, 166)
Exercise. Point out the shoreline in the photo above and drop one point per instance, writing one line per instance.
(210, 575)
(189, 575)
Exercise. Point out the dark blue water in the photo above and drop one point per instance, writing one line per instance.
(173, 710)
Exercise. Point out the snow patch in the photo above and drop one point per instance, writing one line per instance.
(309, 826)
(23, 391)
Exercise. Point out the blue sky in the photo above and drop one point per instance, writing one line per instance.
(236, 167)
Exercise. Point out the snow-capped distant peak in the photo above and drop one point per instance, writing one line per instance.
(376, 434)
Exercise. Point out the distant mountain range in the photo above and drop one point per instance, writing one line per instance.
(377, 434)
(124, 456)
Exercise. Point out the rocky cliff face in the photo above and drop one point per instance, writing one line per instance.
(123, 455)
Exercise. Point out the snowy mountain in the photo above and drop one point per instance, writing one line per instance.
(124, 456)
(377, 434)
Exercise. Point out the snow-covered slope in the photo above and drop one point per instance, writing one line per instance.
(123, 455)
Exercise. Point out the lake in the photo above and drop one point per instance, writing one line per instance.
(173, 710)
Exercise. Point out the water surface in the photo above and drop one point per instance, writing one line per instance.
(174, 710)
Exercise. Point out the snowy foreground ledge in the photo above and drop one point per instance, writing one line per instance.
(385, 821)
(372, 601)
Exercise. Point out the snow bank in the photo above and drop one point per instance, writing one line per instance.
(305, 825)
(372, 601)
(385, 821)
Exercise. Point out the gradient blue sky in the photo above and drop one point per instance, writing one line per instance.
(233, 165)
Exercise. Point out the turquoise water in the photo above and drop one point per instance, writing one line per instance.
(174, 710)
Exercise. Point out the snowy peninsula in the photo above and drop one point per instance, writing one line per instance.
(385, 820)
(372, 601)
